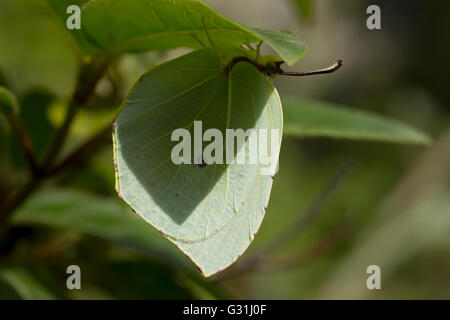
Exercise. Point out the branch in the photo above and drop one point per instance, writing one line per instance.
(16, 199)
(31, 185)
(25, 143)
(263, 256)
(76, 156)
(90, 74)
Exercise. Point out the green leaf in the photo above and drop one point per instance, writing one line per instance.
(306, 117)
(118, 26)
(34, 53)
(25, 284)
(101, 217)
(211, 213)
(8, 102)
(285, 43)
(59, 8)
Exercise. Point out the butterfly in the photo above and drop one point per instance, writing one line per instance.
(211, 212)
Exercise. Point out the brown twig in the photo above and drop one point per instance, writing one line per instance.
(336, 66)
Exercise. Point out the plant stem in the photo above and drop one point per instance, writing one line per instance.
(24, 143)
(81, 151)
(18, 197)
(90, 74)
(264, 263)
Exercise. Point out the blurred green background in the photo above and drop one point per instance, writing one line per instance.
(390, 208)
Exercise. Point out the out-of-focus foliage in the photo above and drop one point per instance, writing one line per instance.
(25, 284)
(8, 103)
(319, 119)
(212, 214)
(305, 8)
(35, 53)
(392, 210)
(158, 25)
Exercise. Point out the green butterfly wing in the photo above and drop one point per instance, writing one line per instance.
(211, 212)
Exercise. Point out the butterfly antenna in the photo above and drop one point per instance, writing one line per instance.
(336, 66)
